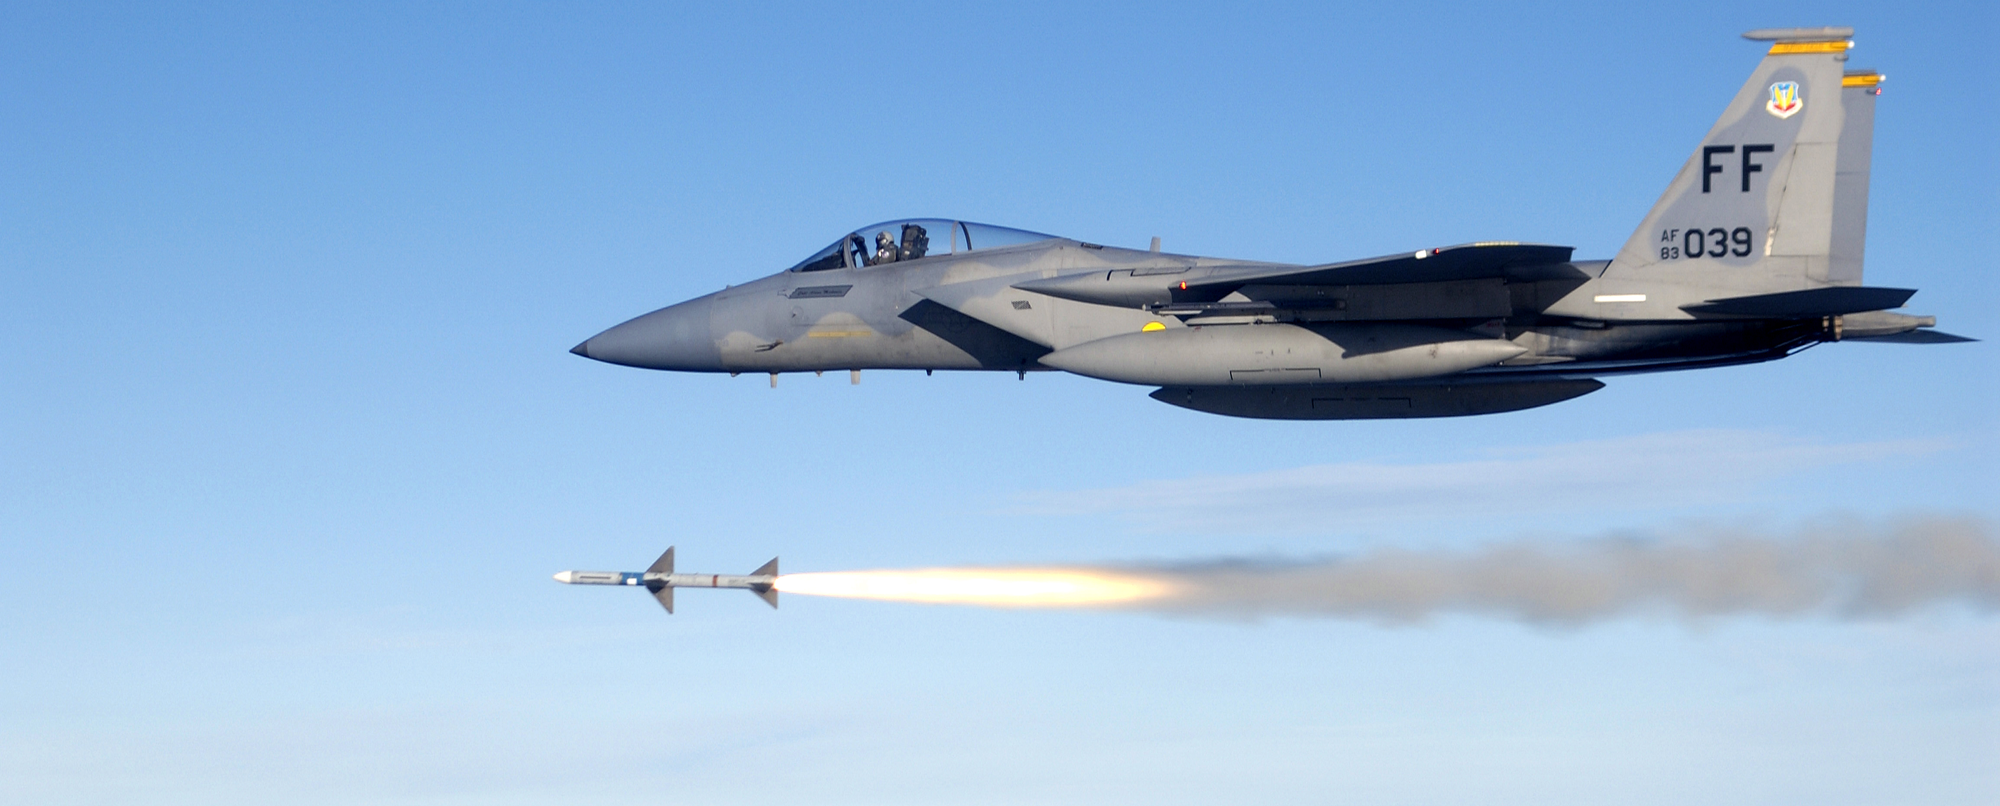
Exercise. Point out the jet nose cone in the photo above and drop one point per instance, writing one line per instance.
(676, 337)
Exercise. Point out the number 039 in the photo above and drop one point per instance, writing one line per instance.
(1715, 242)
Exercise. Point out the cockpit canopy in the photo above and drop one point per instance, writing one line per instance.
(912, 239)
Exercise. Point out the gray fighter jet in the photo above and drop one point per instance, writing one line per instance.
(1753, 253)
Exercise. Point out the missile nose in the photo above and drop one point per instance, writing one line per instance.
(565, 576)
(677, 337)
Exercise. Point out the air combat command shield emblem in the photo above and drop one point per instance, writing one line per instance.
(1785, 101)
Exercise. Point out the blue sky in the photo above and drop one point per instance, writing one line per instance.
(290, 440)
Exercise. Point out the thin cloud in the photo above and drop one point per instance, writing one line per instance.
(1646, 472)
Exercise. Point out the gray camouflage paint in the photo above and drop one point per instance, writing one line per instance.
(1754, 251)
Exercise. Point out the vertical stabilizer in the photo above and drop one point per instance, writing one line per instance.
(1858, 89)
(1774, 197)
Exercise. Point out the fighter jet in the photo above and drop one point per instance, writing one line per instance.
(1753, 253)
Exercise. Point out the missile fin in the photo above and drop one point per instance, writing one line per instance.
(665, 595)
(663, 565)
(769, 593)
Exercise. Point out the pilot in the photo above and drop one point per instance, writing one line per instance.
(885, 248)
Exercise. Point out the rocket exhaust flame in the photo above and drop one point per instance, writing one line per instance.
(1840, 569)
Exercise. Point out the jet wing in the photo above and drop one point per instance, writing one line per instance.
(1475, 269)
(1473, 261)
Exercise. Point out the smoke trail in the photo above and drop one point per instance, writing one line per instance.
(1842, 569)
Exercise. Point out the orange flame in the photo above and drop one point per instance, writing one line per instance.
(996, 587)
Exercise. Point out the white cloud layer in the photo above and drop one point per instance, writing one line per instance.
(1650, 472)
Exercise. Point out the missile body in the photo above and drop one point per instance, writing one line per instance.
(661, 580)
(744, 581)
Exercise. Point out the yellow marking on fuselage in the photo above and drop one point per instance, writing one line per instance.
(1863, 80)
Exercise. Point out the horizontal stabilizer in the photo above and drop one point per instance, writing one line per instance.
(1915, 337)
(1830, 301)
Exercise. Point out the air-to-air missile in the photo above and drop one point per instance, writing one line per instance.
(661, 580)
